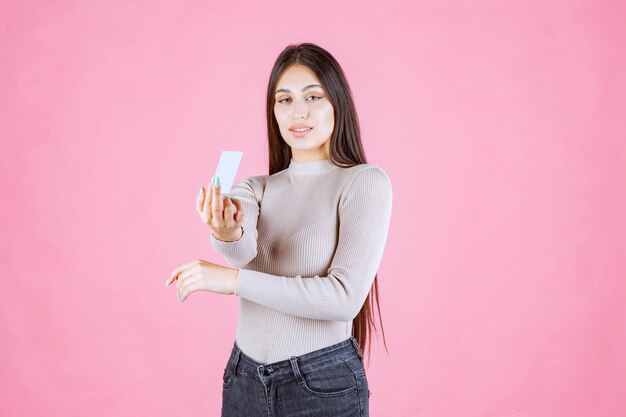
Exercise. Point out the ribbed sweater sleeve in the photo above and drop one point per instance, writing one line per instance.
(364, 217)
(240, 252)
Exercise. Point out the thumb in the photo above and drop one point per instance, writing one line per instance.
(240, 214)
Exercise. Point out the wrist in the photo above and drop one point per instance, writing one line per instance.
(234, 238)
(234, 277)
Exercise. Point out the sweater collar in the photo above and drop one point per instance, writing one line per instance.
(311, 167)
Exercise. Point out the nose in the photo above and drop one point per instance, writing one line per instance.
(300, 111)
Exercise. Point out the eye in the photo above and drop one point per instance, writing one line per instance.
(317, 98)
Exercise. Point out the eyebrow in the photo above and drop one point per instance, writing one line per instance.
(284, 90)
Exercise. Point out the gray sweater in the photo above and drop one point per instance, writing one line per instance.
(313, 238)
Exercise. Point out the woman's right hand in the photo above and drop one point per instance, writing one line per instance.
(223, 215)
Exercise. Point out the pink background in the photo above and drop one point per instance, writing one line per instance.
(501, 125)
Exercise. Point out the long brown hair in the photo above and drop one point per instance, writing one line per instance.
(346, 149)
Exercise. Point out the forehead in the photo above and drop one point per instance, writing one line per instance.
(296, 77)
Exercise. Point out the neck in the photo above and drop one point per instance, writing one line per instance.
(311, 167)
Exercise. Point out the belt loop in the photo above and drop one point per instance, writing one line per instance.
(296, 369)
(236, 360)
(357, 348)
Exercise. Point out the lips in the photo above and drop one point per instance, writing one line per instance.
(300, 128)
(300, 131)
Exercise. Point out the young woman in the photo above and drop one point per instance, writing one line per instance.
(306, 242)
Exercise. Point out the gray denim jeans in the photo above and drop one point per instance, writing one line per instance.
(326, 382)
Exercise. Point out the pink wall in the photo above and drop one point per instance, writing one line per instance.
(500, 124)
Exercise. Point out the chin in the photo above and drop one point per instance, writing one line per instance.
(303, 143)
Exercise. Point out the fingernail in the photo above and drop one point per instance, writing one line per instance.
(202, 190)
(167, 282)
(234, 198)
(217, 182)
(178, 296)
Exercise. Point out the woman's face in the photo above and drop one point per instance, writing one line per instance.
(301, 100)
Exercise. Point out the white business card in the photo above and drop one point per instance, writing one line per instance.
(227, 169)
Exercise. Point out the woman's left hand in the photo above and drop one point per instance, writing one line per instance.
(202, 275)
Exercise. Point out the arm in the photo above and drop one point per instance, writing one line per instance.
(364, 213)
(240, 252)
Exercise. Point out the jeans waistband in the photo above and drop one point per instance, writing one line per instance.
(242, 363)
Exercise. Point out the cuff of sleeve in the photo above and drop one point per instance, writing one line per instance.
(228, 249)
(245, 283)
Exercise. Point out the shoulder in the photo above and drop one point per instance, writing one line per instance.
(366, 175)
(256, 180)
(365, 182)
(254, 185)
